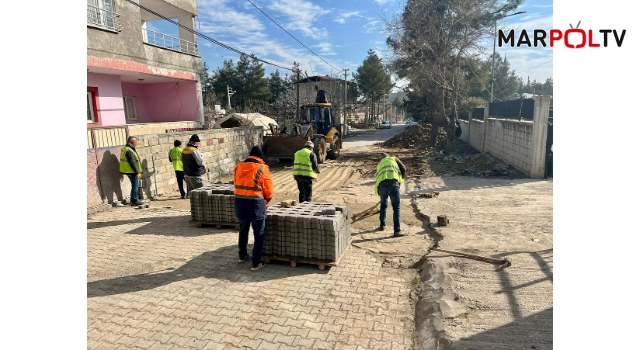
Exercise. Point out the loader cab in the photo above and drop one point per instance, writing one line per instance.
(317, 114)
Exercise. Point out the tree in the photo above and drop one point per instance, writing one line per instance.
(372, 78)
(247, 80)
(506, 82)
(431, 41)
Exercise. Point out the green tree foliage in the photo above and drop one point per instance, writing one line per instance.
(534, 87)
(372, 78)
(506, 83)
(247, 79)
(431, 42)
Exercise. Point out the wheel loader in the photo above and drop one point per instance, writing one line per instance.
(316, 123)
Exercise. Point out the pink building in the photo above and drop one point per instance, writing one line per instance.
(138, 75)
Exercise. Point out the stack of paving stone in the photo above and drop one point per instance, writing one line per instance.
(213, 204)
(311, 231)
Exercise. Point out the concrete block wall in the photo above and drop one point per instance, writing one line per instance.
(221, 149)
(510, 141)
(519, 143)
(476, 134)
(464, 125)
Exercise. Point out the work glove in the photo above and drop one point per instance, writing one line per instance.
(139, 176)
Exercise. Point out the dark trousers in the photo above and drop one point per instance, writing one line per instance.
(305, 186)
(258, 238)
(180, 177)
(134, 187)
(393, 193)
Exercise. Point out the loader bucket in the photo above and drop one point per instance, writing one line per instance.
(282, 146)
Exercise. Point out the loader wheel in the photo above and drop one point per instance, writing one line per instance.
(320, 149)
(334, 153)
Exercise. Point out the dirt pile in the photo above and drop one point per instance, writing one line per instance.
(415, 136)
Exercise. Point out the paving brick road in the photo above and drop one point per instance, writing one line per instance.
(155, 282)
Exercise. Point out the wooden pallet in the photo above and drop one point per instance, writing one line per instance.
(322, 264)
(234, 225)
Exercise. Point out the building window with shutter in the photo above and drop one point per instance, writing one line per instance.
(130, 108)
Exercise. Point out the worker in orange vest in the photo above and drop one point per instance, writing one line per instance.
(253, 190)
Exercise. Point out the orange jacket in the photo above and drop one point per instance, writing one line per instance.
(252, 180)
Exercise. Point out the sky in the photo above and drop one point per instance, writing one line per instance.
(336, 34)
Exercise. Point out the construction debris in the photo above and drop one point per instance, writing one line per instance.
(503, 262)
(287, 204)
(429, 195)
(443, 220)
(415, 136)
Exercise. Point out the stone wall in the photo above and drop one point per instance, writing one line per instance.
(221, 149)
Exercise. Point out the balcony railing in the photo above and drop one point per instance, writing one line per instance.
(169, 42)
(104, 19)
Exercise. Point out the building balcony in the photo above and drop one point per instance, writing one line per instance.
(154, 38)
(104, 19)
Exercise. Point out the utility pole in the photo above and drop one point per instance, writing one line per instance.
(384, 106)
(296, 65)
(344, 119)
(230, 93)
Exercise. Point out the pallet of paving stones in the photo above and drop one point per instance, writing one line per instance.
(294, 261)
(213, 205)
(201, 224)
(309, 232)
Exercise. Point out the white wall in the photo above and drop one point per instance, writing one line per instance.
(521, 144)
(464, 125)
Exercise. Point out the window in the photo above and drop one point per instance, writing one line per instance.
(100, 13)
(90, 113)
(130, 108)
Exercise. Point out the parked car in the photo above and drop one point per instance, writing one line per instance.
(411, 122)
(385, 125)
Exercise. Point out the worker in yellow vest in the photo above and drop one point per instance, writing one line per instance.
(175, 157)
(305, 171)
(389, 175)
(130, 165)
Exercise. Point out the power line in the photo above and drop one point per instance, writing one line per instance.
(535, 67)
(204, 36)
(305, 46)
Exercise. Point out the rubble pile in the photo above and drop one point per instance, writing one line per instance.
(309, 230)
(213, 203)
(414, 136)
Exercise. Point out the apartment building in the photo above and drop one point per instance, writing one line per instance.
(136, 73)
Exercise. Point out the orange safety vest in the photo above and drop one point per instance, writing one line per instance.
(253, 180)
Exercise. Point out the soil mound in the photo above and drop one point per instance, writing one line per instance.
(415, 136)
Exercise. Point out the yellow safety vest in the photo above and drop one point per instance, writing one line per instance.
(176, 158)
(302, 164)
(387, 169)
(125, 167)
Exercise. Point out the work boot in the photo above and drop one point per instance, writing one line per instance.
(381, 228)
(399, 234)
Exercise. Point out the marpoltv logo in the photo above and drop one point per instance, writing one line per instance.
(580, 38)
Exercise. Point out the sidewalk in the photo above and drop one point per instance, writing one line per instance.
(154, 282)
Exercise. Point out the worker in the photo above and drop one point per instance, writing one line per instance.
(193, 164)
(390, 174)
(253, 190)
(175, 157)
(305, 171)
(130, 166)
